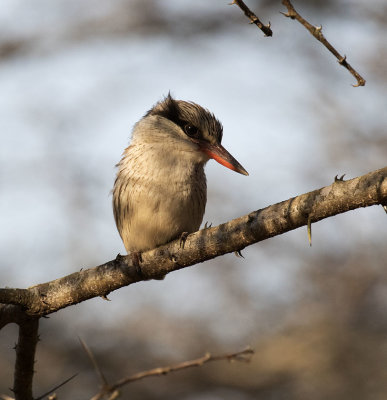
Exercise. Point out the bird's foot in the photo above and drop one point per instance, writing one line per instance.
(206, 225)
(137, 260)
(183, 239)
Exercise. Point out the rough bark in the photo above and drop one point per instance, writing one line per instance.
(339, 197)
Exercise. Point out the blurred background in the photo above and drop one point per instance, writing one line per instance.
(76, 76)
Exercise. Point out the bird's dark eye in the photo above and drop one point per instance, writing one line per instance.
(191, 130)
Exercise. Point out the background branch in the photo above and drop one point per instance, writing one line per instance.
(317, 33)
(244, 355)
(25, 358)
(253, 18)
(339, 197)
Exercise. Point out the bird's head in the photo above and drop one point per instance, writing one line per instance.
(187, 127)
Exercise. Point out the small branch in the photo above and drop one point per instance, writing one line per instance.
(316, 31)
(244, 355)
(339, 197)
(253, 18)
(25, 358)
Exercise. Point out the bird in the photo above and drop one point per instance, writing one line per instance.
(160, 190)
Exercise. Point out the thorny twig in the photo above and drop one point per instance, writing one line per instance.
(316, 31)
(112, 390)
(25, 358)
(253, 18)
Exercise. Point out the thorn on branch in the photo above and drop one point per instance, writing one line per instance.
(287, 15)
(309, 229)
(120, 259)
(251, 217)
(341, 179)
(360, 82)
(343, 61)
(239, 254)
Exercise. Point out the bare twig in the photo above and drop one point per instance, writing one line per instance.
(244, 355)
(253, 18)
(25, 358)
(316, 31)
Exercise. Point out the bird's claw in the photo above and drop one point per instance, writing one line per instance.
(136, 257)
(183, 239)
(206, 226)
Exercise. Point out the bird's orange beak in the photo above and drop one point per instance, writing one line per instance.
(222, 156)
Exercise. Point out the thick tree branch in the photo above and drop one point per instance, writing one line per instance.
(316, 31)
(253, 18)
(339, 197)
